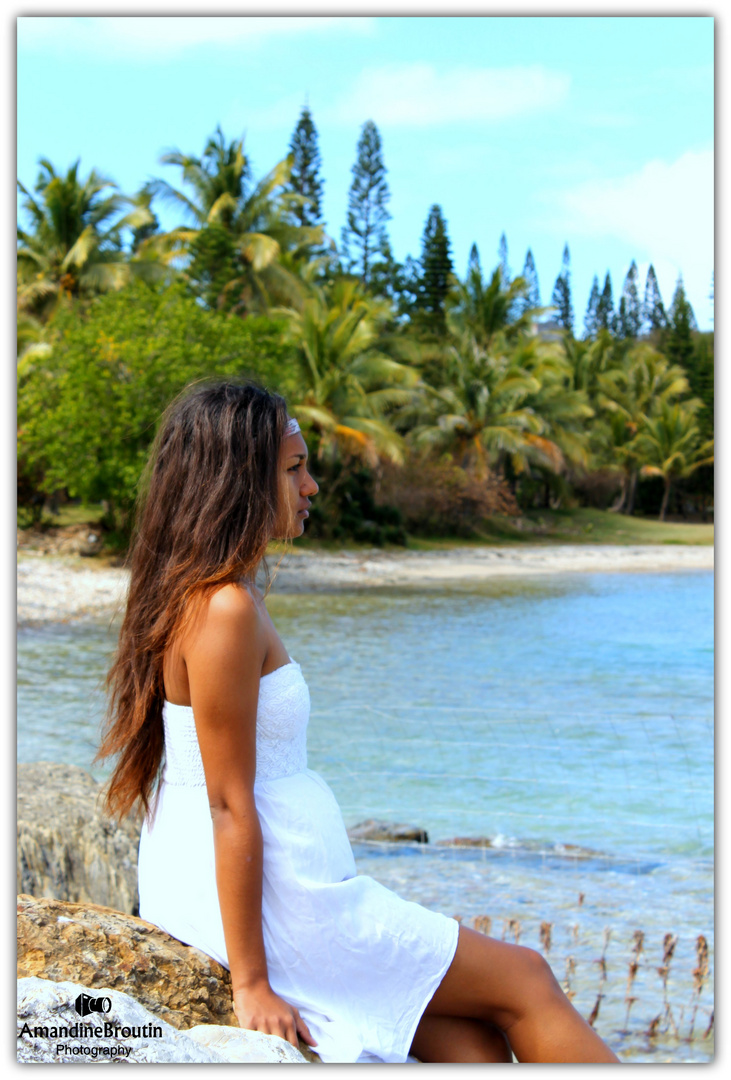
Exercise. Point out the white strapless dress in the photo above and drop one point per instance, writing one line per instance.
(359, 963)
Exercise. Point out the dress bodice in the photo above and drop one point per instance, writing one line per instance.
(281, 731)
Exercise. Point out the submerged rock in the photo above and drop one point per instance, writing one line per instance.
(387, 830)
(466, 841)
(68, 849)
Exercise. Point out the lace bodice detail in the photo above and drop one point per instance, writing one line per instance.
(281, 731)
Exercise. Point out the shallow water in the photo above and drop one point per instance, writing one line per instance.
(568, 719)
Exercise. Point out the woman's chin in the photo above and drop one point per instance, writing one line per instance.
(297, 529)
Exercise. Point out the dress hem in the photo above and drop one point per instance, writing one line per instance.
(435, 984)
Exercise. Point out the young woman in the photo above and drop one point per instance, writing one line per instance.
(243, 851)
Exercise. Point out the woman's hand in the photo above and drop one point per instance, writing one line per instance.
(260, 1009)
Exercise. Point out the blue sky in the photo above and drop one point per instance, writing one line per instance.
(593, 131)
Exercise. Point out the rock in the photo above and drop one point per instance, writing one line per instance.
(237, 1044)
(97, 946)
(387, 830)
(83, 539)
(91, 546)
(101, 948)
(466, 841)
(125, 1031)
(67, 848)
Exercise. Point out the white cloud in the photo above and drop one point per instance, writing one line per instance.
(665, 209)
(166, 36)
(418, 95)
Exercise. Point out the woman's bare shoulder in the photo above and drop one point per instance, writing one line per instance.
(233, 601)
(231, 615)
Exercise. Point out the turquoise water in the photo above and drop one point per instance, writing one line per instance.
(568, 719)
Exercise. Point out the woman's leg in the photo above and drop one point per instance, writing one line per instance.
(458, 1039)
(514, 988)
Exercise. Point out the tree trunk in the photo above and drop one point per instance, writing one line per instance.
(665, 497)
(632, 492)
(377, 477)
(616, 507)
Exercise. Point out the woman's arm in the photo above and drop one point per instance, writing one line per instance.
(224, 652)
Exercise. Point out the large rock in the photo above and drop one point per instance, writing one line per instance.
(67, 848)
(238, 1044)
(126, 1031)
(101, 948)
(96, 946)
(388, 830)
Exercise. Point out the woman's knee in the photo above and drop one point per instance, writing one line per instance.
(494, 981)
(540, 985)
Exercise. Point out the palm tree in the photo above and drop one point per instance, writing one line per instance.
(485, 308)
(351, 381)
(671, 445)
(249, 227)
(73, 247)
(590, 358)
(30, 339)
(477, 414)
(629, 395)
(562, 408)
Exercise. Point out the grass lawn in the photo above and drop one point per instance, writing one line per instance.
(579, 526)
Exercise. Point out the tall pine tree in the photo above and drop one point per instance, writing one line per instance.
(502, 253)
(364, 237)
(305, 176)
(473, 262)
(681, 324)
(629, 316)
(653, 312)
(436, 269)
(561, 298)
(532, 298)
(385, 276)
(590, 323)
(605, 317)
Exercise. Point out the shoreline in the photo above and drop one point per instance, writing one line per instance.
(58, 588)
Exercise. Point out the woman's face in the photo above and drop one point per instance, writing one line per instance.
(295, 488)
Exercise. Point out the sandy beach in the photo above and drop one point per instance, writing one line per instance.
(63, 588)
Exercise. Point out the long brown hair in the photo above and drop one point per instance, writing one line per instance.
(206, 511)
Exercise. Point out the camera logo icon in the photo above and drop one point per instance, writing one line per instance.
(86, 1004)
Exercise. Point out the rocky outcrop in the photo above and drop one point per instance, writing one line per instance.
(67, 848)
(100, 948)
(124, 1030)
(387, 830)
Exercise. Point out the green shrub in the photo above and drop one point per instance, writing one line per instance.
(88, 412)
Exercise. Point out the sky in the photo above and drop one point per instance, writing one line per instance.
(592, 131)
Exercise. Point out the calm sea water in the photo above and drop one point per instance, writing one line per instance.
(567, 720)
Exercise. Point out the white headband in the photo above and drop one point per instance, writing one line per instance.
(292, 428)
